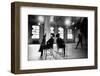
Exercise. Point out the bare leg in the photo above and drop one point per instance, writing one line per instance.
(81, 44)
(41, 54)
(77, 44)
(45, 54)
(64, 51)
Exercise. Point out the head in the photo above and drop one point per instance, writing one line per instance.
(57, 35)
(52, 35)
(44, 35)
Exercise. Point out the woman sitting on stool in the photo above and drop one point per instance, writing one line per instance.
(50, 42)
(60, 43)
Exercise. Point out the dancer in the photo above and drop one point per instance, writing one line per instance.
(79, 40)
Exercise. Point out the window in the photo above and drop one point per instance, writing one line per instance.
(61, 32)
(35, 32)
(69, 34)
(51, 29)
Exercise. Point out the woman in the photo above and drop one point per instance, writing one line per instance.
(42, 46)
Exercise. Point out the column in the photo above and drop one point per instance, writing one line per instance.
(47, 27)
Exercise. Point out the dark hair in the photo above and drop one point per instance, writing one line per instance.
(52, 34)
(44, 35)
(57, 35)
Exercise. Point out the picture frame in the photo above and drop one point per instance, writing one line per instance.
(19, 10)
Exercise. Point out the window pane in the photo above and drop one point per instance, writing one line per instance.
(51, 29)
(61, 32)
(35, 32)
(69, 34)
(36, 36)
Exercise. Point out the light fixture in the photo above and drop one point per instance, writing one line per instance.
(41, 19)
(73, 23)
(39, 23)
(68, 21)
(51, 18)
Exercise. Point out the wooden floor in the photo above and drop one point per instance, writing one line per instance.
(54, 54)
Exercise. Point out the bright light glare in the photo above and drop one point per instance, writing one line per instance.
(68, 22)
(51, 18)
(41, 19)
(70, 36)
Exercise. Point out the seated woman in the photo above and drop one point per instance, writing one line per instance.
(50, 42)
(60, 43)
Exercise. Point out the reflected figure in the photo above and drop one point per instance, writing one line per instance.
(50, 42)
(49, 46)
(42, 46)
(60, 43)
(79, 40)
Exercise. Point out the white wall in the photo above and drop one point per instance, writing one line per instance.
(5, 42)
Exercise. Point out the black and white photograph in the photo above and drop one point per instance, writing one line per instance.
(52, 37)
